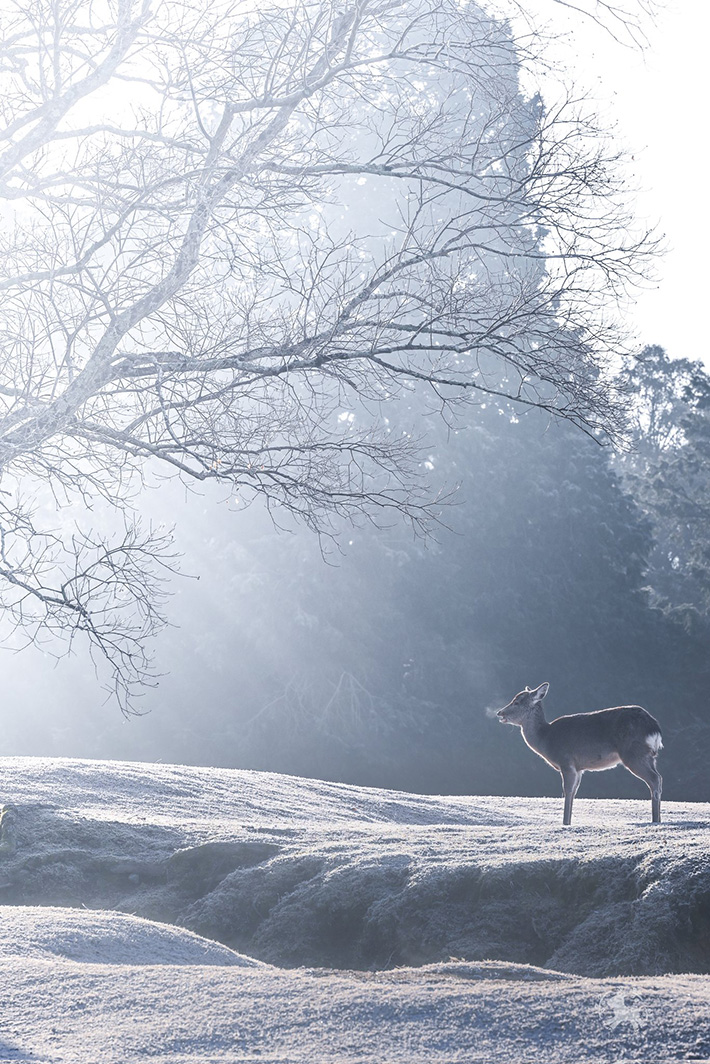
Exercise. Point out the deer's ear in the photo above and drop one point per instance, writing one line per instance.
(527, 689)
(541, 691)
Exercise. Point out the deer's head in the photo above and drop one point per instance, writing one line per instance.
(523, 705)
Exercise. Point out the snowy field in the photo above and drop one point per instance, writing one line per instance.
(180, 914)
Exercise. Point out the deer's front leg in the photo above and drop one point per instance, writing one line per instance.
(571, 779)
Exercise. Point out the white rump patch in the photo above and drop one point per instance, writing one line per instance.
(655, 742)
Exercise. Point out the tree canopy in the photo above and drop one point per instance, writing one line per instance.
(667, 469)
(226, 226)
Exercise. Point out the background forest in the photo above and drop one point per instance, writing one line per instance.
(364, 271)
(373, 658)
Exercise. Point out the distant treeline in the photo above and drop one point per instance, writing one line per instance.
(375, 663)
(563, 561)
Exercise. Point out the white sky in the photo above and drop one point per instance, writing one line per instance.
(658, 99)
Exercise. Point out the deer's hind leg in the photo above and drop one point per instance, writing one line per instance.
(642, 763)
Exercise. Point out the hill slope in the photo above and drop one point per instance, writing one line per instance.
(295, 872)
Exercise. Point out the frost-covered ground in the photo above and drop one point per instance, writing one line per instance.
(465, 929)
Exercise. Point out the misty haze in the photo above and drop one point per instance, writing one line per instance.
(327, 454)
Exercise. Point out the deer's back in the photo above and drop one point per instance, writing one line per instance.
(600, 739)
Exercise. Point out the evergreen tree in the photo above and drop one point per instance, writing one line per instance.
(668, 471)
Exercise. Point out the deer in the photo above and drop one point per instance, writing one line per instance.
(589, 742)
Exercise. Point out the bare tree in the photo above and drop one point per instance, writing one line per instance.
(231, 230)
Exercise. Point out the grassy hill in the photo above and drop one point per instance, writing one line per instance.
(319, 921)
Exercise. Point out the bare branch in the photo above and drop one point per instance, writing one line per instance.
(232, 236)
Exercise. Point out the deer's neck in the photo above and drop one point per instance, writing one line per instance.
(535, 732)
